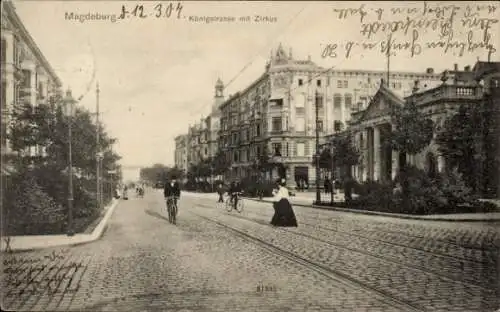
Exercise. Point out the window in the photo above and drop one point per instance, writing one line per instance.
(339, 83)
(301, 124)
(318, 82)
(235, 157)
(26, 78)
(348, 102)
(345, 84)
(4, 132)
(4, 51)
(319, 100)
(277, 125)
(258, 130)
(337, 101)
(248, 154)
(258, 151)
(4, 95)
(206, 151)
(338, 126)
(301, 82)
(276, 149)
(301, 149)
(320, 125)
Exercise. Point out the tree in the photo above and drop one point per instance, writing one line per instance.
(461, 143)
(219, 163)
(346, 154)
(45, 126)
(412, 131)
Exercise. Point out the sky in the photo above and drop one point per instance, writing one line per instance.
(157, 75)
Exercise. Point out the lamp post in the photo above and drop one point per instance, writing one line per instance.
(318, 192)
(332, 180)
(69, 102)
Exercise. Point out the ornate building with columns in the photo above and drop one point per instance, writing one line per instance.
(27, 76)
(372, 127)
(278, 111)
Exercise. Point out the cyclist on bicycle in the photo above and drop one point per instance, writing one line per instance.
(234, 189)
(171, 190)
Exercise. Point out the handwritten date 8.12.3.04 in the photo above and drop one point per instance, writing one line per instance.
(159, 10)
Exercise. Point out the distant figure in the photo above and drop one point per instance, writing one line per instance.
(220, 191)
(327, 184)
(125, 192)
(283, 211)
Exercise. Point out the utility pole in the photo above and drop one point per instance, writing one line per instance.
(318, 192)
(388, 59)
(98, 149)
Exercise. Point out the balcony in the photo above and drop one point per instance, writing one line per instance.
(445, 92)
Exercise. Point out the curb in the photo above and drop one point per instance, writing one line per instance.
(386, 214)
(76, 240)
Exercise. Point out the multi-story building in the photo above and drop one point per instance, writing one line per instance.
(201, 141)
(372, 126)
(181, 152)
(278, 111)
(27, 77)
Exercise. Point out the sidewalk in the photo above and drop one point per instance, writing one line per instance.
(306, 199)
(31, 242)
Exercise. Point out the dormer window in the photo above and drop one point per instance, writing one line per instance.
(301, 82)
(318, 82)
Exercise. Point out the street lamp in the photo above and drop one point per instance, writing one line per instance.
(68, 106)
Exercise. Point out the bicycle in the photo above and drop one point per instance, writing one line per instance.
(230, 205)
(172, 209)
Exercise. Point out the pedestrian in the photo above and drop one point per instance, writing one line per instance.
(326, 184)
(283, 211)
(220, 191)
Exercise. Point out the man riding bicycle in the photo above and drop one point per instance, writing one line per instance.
(234, 190)
(171, 191)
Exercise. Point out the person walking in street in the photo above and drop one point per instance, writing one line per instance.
(327, 185)
(220, 191)
(283, 211)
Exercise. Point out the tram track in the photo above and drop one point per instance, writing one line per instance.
(434, 271)
(327, 272)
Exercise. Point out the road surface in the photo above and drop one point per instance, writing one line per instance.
(214, 260)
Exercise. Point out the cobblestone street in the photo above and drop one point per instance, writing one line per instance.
(219, 261)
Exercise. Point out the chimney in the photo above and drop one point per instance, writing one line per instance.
(430, 70)
(456, 66)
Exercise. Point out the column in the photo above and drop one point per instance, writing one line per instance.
(376, 153)
(364, 151)
(395, 164)
(441, 163)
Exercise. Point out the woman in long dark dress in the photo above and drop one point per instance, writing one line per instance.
(283, 212)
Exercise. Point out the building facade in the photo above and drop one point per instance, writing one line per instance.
(181, 152)
(201, 140)
(372, 127)
(277, 112)
(27, 77)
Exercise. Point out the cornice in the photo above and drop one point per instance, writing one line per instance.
(9, 12)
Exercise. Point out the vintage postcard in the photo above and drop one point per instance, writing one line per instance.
(250, 156)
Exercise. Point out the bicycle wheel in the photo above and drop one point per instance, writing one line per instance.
(229, 205)
(239, 206)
